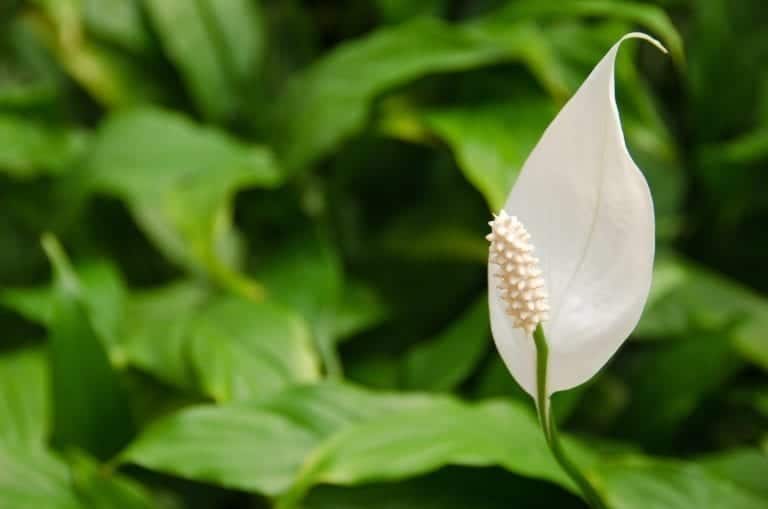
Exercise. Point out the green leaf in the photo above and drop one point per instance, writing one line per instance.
(98, 488)
(24, 412)
(449, 488)
(311, 264)
(155, 330)
(662, 395)
(650, 16)
(686, 296)
(329, 101)
(87, 396)
(29, 149)
(111, 77)
(117, 21)
(492, 141)
(661, 484)
(222, 346)
(242, 448)
(214, 44)
(747, 468)
(360, 309)
(402, 444)
(33, 480)
(242, 350)
(445, 361)
(178, 178)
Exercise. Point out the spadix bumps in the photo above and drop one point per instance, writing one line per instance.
(519, 277)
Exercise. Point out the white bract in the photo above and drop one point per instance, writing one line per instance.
(583, 208)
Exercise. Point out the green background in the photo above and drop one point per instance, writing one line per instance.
(242, 261)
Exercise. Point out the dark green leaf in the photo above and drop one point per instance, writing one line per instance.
(99, 488)
(329, 101)
(445, 361)
(87, 396)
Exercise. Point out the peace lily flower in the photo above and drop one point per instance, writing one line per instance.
(571, 252)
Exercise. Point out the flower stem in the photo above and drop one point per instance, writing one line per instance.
(548, 425)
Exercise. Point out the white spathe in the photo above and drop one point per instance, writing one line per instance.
(589, 213)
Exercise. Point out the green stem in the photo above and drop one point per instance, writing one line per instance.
(549, 426)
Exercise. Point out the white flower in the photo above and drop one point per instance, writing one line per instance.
(583, 207)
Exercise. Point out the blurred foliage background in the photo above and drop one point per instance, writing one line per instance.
(243, 262)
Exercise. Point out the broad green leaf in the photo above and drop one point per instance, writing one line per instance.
(310, 264)
(215, 45)
(24, 412)
(650, 16)
(87, 395)
(686, 296)
(222, 346)
(440, 364)
(747, 468)
(327, 407)
(178, 178)
(34, 480)
(29, 148)
(98, 488)
(492, 141)
(402, 444)
(662, 395)
(329, 101)
(229, 446)
(449, 488)
(241, 349)
(103, 292)
(661, 484)
(360, 309)
(155, 330)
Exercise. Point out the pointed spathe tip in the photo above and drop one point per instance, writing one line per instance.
(641, 35)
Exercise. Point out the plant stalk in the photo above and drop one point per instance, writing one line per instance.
(548, 425)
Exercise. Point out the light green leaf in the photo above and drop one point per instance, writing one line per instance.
(222, 346)
(311, 264)
(155, 330)
(86, 393)
(659, 484)
(117, 21)
(29, 148)
(402, 444)
(24, 412)
(445, 361)
(241, 349)
(178, 178)
(236, 447)
(747, 468)
(34, 480)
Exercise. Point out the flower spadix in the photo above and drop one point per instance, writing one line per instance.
(573, 247)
